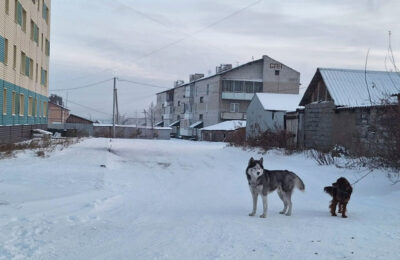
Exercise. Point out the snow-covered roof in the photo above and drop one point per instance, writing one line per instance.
(175, 123)
(196, 124)
(226, 125)
(279, 102)
(349, 89)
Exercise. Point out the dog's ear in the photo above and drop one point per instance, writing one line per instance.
(261, 161)
(251, 160)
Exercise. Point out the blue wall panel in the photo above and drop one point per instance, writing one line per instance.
(16, 119)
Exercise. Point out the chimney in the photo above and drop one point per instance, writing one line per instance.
(178, 83)
(196, 76)
(223, 67)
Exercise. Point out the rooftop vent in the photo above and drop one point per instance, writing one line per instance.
(178, 83)
(196, 76)
(222, 68)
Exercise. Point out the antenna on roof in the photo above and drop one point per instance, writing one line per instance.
(365, 77)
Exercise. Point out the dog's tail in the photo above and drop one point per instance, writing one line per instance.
(329, 190)
(300, 184)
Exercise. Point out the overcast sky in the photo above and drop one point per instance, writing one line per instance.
(157, 42)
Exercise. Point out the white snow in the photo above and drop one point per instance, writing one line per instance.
(183, 200)
(226, 125)
(279, 102)
(133, 126)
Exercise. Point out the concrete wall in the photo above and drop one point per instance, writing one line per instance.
(356, 129)
(210, 108)
(318, 125)
(260, 120)
(249, 71)
(288, 80)
(18, 133)
(77, 129)
(214, 136)
(162, 133)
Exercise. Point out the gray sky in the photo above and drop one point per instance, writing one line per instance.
(157, 42)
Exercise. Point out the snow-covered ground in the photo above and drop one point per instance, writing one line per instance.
(183, 200)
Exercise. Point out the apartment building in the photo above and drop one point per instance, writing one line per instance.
(205, 101)
(24, 67)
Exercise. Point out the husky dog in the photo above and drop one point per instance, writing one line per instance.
(341, 192)
(262, 182)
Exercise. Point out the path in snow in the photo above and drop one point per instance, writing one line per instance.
(183, 200)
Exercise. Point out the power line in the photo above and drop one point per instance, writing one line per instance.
(198, 31)
(90, 108)
(80, 87)
(142, 83)
(81, 77)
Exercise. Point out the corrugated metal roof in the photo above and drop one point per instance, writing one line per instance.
(279, 102)
(348, 87)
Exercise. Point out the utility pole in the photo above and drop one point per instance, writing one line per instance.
(114, 103)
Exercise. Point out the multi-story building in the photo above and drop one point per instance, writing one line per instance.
(223, 96)
(24, 67)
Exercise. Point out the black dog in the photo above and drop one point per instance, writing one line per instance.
(340, 191)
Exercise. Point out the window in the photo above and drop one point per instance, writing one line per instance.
(179, 103)
(5, 51)
(47, 48)
(30, 106)
(4, 101)
(201, 99)
(201, 117)
(23, 62)
(18, 12)
(45, 109)
(258, 87)
(227, 85)
(249, 87)
(45, 12)
(21, 105)
(32, 29)
(34, 111)
(41, 47)
(2, 49)
(234, 107)
(23, 20)
(37, 69)
(208, 89)
(238, 86)
(15, 57)
(43, 78)
(277, 72)
(273, 115)
(30, 68)
(7, 6)
(13, 103)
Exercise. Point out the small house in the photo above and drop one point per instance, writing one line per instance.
(267, 112)
(343, 106)
(219, 132)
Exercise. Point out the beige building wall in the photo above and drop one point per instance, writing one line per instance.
(20, 37)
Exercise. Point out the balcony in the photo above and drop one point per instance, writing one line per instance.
(233, 116)
(237, 96)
